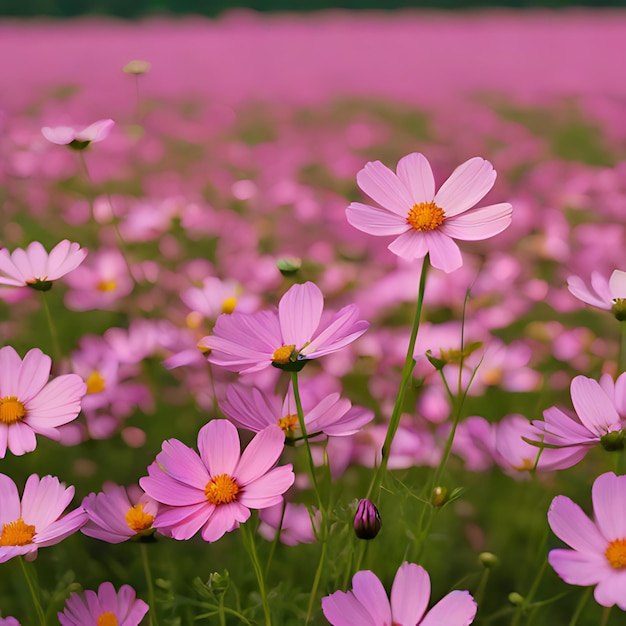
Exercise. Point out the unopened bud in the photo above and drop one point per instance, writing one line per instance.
(438, 496)
(516, 599)
(289, 265)
(613, 441)
(367, 520)
(488, 560)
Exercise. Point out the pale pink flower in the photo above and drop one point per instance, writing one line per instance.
(596, 420)
(117, 514)
(598, 555)
(323, 413)
(34, 267)
(36, 521)
(215, 490)
(8, 621)
(218, 296)
(99, 283)
(604, 294)
(367, 604)
(78, 138)
(287, 338)
(105, 607)
(426, 222)
(29, 404)
(295, 522)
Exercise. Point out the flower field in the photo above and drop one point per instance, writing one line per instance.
(314, 319)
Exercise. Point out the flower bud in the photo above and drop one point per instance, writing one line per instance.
(516, 599)
(367, 520)
(488, 560)
(438, 496)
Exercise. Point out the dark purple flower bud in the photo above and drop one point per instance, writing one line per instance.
(367, 520)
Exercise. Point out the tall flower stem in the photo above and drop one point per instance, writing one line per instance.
(149, 583)
(33, 592)
(250, 545)
(580, 606)
(56, 346)
(407, 370)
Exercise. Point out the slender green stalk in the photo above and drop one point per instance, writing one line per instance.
(606, 612)
(580, 606)
(33, 592)
(316, 581)
(276, 540)
(56, 346)
(407, 370)
(151, 601)
(250, 545)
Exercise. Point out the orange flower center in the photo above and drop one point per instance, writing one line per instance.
(527, 465)
(107, 619)
(616, 553)
(288, 423)
(11, 410)
(425, 216)
(17, 533)
(222, 489)
(106, 285)
(137, 519)
(228, 306)
(95, 382)
(283, 354)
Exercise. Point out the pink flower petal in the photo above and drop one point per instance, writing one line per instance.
(369, 591)
(415, 172)
(456, 609)
(219, 446)
(33, 374)
(375, 221)
(617, 284)
(225, 518)
(609, 505)
(469, 183)
(343, 609)
(478, 224)
(410, 594)
(579, 568)
(163, 488)
(571, 525)
(299, 312)
(410, 245)
(260, 455)
(444, 254)
(267, 490)
(579, 290)
(610, 590)
(384, 187)
(183, 522)
(593, 407)
(10, 506)
(21, 439)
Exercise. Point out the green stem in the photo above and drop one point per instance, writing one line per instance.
(56, 346)
(276, 540)
(316, 581)
(606, 612)
(33, 592)
(149, 583)
(249, 542)
(407, 371)
(580, 606)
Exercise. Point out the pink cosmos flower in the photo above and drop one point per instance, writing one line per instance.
(218, 296)
(34, 267)
(287, 338)
(29, 404)
(76, 138)
(367, 604)
(36, 521)
(323, 413)
(607, 294)
(8, 621)
(294, 521)
(117, 514)
(216, 489)
(426, 222)
(596, 420)
(598, 556)
(105, 607)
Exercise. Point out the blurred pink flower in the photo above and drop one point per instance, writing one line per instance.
(323, 413)
(367, 604)
(287, 338)
(426, 222)
(99, 283)
(598, 556)
(216, 489)
(8, 621)
(607, 294)
(296, 526)
(218, 296)
(596, 420)
(29, 404)
(34, 267)
(117, 514)
(36, 521)
(105, 607)
(78, 139)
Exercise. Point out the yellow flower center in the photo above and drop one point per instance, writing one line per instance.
(11, 410)
(107, 619)
(228, 306)
(17, 533)
(616, 553)
(223, 489)
(95, 382)
(425, 216)
(106, 285)
(527, 465)
(137, 519)
(283, 354)
(288, 423)
(193, 320)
